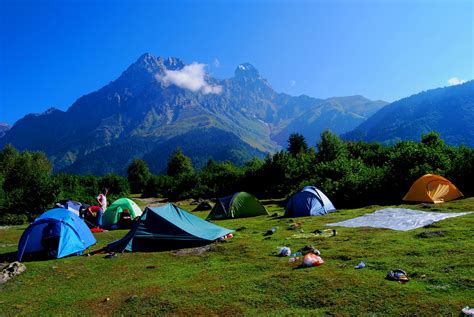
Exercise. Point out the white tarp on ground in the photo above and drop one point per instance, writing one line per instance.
(397, 219)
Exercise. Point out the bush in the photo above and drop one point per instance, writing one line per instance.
(13, 219)
(79, 188)
(350, 173)
(117, 185)
(27, 184)
(159, 186)
(138, 175)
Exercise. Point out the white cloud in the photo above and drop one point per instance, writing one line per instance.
(191, 77)
(455, 81)
(217, 63)
(292, 83)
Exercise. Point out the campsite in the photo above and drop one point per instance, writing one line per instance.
(412, 248)
(244, 275)
(236, 158)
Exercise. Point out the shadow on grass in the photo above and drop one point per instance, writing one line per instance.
(278, 202)
(8, 257)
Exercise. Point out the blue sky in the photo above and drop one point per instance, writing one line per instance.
(53, 52)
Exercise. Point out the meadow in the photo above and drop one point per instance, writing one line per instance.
(244, 276)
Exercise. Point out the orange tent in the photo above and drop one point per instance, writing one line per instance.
(432, 188)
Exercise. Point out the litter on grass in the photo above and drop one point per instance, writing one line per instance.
(312, 259)
(397, 219)
(361, 265)
(271, 231)
(284, 251)
(309, 249)
(326, 232)
(227, 236)
(295, 226)
(303, 236)
(468, 311)
(397, 275)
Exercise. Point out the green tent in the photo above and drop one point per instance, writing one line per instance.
(239, 205)
(112, 214)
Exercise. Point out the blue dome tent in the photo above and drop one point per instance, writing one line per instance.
(310, 201)
(58, 230)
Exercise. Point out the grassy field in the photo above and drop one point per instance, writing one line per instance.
(243, 276)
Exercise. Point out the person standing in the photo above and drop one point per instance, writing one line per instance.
(102, 200)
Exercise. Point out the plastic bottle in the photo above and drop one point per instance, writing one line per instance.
(296, 254)
(271, 231)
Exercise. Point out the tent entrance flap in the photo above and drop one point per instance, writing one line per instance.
(432, 188)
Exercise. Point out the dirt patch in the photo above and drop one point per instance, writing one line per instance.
(7, 245)
(195, 251)
(153, 201)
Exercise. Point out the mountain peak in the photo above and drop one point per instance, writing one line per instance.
(151, 62)
(247, 70)
(146, 56)
(149, 65)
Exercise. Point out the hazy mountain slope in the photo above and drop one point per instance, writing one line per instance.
(4, 127)
(338, 114)
(449, 111)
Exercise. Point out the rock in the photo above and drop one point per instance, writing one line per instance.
(431, 234)
(11, 270)
(132, 298)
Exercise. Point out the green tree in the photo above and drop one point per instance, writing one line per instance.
(159, 186)
(297, 144)
(27, 184)
(461, 172)
(138, 174)
(117, 185)
(7, 158)
(78, 187)
(433, 140)
(219, 179)
(179, 164)
(331, 147)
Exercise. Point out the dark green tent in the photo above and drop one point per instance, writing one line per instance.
(239, 205)
(166, 228)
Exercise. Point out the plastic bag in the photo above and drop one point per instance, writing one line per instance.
(312, 259)
(284, 251)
